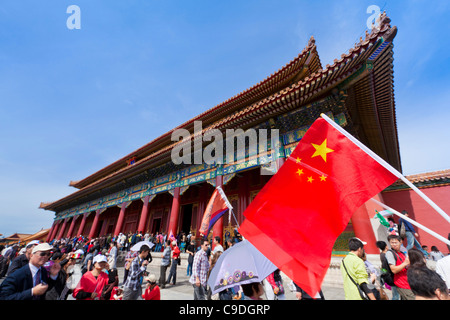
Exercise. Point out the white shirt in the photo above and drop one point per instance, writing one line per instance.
(443, 269)
(33, 270)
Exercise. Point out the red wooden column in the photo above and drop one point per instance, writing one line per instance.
(52, 230)
(62, 230)
(173, 222)
(95, 223)
(83, 223)
(363, 226)
(144, 215)
(218, 226)
(72, 225)
(121, 218)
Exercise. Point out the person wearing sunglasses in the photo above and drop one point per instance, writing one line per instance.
(22, 259)
(31, 281)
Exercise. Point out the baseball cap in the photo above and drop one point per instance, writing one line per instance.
(42, 247)
(32, 243)
(99, 258)
(363, 242)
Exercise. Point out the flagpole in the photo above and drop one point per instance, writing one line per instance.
(235, 218)
(230, 207)
(438, 236)
(386, 166)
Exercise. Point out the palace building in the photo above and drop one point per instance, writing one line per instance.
(145, 191)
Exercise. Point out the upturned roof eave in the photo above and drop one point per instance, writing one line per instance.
(164, 139)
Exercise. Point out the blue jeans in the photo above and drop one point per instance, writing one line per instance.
(189, 269)
(395, 295)
(173, 272)
(412, 241)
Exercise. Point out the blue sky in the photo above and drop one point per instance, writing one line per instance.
(73, 101)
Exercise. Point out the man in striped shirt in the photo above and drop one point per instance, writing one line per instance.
(199, 272)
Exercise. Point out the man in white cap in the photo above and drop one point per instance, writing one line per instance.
(354, 272)
(22, 259)
(32, 280)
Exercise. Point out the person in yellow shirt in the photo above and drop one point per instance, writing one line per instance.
(354, 272)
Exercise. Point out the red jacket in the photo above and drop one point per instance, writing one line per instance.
(175, 252)
(88, 283)
(152, 294)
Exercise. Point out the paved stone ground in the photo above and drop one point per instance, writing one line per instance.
(183, 290)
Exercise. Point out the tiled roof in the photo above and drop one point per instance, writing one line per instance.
(305, 64)
(423, 180)
(429, 176)
(379, 111)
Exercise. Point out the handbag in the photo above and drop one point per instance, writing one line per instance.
(361, 292)
(402, 231)
(383, 295)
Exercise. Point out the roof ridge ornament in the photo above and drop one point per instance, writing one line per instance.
(384, 20)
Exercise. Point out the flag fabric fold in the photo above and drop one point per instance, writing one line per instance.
(298, 215)
(217, 206)
(171, 236)
(380, 217)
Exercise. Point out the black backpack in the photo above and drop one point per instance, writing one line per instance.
(387, 276)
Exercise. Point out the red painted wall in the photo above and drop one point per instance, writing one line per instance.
(423, 213)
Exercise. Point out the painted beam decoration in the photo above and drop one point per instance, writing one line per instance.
(197, 173)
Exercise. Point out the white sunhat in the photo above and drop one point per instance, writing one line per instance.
(42, 247)
(151, 278)
(99, 258)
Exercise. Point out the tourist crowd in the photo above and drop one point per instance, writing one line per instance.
(86, 269)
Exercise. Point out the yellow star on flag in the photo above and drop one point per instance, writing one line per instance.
(321, 150)
(300, 172)
(310, 179)
(298, 160)
(323, 178)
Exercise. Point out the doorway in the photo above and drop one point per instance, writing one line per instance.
(187, 218)
(156, 225)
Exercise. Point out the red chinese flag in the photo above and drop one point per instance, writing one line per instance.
(217, 206)
(298, 215)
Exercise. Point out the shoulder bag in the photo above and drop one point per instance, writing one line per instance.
(361, 292)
